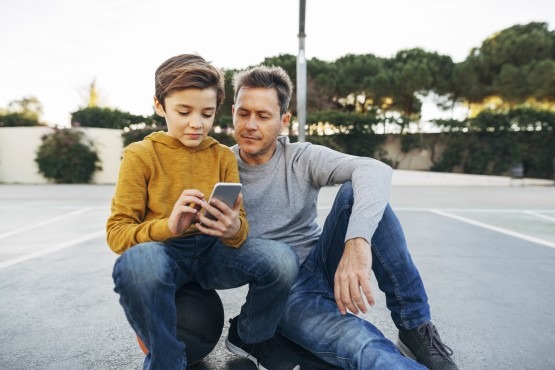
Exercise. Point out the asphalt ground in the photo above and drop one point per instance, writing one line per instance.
(486, 255)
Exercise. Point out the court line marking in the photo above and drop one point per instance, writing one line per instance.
(45, 222)
(494, 228)
(71, 243)
(540, 215)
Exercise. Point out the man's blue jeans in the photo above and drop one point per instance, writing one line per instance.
(148, 275)
(311, 317)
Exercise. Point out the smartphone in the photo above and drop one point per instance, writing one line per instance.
(226, 192)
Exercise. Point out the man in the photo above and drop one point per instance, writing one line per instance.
(361, 234)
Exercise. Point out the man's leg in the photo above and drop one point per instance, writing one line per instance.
(397, 277)
(312, 318)
(146, 279)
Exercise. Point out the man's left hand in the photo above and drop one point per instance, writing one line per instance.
(353, 275)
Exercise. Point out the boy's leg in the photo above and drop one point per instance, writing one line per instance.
(146, 277)
(269, 267)
(312, 318)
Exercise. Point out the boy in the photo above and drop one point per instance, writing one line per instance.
(165, 241)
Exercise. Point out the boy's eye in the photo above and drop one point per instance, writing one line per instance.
(207, 115)
(183, 113)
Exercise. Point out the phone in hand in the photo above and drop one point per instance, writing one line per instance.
(226, 192)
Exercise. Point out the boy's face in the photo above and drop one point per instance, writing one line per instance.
(258, 123)
(189, 114)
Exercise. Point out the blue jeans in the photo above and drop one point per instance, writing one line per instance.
(148, 275)
(311, 317)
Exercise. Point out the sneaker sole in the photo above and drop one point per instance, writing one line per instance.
(405, 351)
(239, 352)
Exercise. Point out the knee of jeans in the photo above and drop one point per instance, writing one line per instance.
(284, 263)
(141, 268)
(345, 193)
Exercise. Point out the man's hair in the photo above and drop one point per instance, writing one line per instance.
(267, 77)
(187, 71)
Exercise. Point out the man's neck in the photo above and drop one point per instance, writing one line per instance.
(256, 159)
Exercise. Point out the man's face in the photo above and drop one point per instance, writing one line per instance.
(189, 114)
(258, 123)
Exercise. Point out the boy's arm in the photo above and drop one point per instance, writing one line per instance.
(126, 226)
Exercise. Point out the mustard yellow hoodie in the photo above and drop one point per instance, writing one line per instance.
(153, 174)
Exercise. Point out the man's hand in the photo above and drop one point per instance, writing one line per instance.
(227, 222)
(185, 210)
(352, 276)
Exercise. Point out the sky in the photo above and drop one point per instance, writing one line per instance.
(54, 49)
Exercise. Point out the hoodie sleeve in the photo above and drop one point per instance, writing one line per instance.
(232, 175)
(126, 226)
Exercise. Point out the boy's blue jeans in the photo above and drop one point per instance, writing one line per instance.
(148, 275)
(311, 317)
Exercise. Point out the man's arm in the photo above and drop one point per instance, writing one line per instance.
(371, 181)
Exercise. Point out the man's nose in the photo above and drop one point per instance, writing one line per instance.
(251, 123)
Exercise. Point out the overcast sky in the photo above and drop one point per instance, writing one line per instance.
(53, 49)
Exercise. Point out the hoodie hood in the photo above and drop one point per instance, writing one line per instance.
(173, 143)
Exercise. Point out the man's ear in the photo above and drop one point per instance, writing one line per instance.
(159, 108)
(285, 118)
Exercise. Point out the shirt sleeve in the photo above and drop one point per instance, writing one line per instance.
(371, 181)
(126, 226)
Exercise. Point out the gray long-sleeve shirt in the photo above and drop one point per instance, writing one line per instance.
(280, 195)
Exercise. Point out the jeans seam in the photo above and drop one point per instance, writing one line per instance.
(329, 280)
(398, 296)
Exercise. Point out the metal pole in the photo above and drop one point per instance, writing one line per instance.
(301, 74)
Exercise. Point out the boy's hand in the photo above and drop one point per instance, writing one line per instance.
(185, 210)
(353, 275)
(227, 222)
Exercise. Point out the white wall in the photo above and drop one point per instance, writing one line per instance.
(18, 147)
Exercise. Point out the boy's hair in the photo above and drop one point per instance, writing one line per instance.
(187, 71)
(267, 77)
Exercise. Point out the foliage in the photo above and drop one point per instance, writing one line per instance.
(494, 141)
(17, 119)
(65, 157)
(28, 106)
(515, 64)
(106, 118)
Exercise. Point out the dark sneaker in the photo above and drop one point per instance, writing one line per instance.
(259, 353)
(424, 345)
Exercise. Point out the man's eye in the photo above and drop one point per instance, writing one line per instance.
(242, 114)
(264, 117)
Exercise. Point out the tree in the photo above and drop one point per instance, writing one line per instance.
(515, 64)
(28, 106)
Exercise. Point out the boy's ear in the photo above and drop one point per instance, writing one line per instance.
(159, 108)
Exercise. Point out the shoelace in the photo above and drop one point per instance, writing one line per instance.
(437, 346)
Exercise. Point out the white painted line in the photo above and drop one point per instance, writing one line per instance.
(495, 228)
(540, 215)
(475, 210)
(71, 243)
(46, 222)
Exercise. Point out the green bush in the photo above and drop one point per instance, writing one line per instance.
(17, 120)
(66, 157)
(105, 118)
